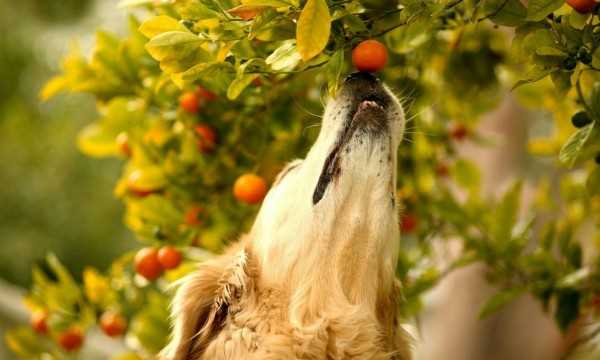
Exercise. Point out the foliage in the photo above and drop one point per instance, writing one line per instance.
(268, 61)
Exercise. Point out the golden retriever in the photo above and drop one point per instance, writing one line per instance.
(315, 277)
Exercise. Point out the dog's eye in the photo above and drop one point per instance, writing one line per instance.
(290, 166)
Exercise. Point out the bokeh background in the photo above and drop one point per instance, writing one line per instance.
(52, 198)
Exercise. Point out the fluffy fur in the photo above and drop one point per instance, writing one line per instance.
(314, 278)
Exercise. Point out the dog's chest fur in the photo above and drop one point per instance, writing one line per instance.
(257, 327)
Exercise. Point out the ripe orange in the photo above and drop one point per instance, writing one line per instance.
(459, 132)
(370, 56)
(192, 216)
(250, 188)
(408, 223)
(442, 170)
(582, 6)
(207, 138)
(147, 264)
(113, 324)
(205, 94)
(169, 257)
(189, 102)
(122, 141)
(71, 339)
(39, 322)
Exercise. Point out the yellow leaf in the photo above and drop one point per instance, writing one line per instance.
(312, 31)
(95, 285)
(53, 87)
(160, 24)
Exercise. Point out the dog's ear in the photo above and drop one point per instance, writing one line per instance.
(202, 302)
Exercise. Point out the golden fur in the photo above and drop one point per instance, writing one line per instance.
(313, 279)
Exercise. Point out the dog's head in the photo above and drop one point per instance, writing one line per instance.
(326, 235)
(340, 200)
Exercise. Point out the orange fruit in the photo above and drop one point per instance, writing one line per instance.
(122, 141)
(459, 132)
(582, 6)
(205, 94)
(250, 188)
(207, 138)
(71, 339)
(408, 223)
(369, 56)
(147, 264)
(113, 324)
(189, 102)
(39, 322)
(169, 257)
(192, 216)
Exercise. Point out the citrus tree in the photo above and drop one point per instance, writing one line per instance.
(204, 100)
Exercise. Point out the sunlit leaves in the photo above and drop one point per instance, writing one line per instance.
(539, 9)
(314, 27)
(572, 148)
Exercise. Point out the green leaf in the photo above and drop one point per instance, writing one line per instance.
(505, 12)
(407, 38)
(26, 344)
(536, 73)
(498, 301)
(561, 81)
(160, 24)
(239, 84)
(539, 9)
(595, 100)
(313, 29)
(505, 215)
(593, 182)
(172, 45)
(572, 148)
(335, 66)
(285, 58)
(270, 3)
(466, 174)
(575, 278)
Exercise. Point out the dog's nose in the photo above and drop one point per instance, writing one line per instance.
(362, 84)
(361, 77)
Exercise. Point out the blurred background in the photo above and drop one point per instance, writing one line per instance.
(53, 198)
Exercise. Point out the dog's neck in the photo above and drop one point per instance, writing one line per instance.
(342, 250)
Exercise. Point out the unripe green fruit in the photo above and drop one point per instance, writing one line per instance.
(580, 119)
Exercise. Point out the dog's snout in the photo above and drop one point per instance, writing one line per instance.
(364, 86)
(361, 78)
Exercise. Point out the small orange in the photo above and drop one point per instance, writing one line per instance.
(39, 322)
(113, 324)
(205, 94)
(369, 56)
(459, 132)
(408, 223)
(250, 188)
(189, 102)
(169, 257)
(192, 216)
(147, 264)
(582, 6)
(122, 141)
(207, 138)
(71, 339)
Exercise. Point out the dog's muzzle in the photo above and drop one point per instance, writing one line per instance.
(368, 114)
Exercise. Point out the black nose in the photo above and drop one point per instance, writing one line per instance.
(362, 85)
(361, 78)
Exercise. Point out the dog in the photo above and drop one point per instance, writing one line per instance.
(315, 276)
